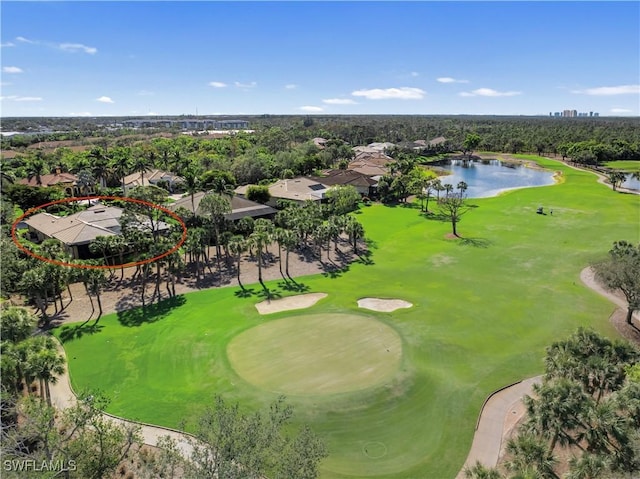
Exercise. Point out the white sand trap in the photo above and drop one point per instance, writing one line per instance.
(384, 305)
(292, 302)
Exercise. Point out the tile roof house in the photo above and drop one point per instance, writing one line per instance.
(364, 184)
(76, 231)
(299, 189)
(151, 177)
(67, 181)
(240, 207)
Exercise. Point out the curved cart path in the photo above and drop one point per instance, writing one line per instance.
(495, 422)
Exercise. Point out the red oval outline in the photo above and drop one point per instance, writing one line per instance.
(88, 266)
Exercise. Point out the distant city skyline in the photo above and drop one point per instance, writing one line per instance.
(331, 58)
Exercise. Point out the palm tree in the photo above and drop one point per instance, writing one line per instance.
(259, 239)
(279, 236)
(96, 279)
(587, 466)
(289, 240)
(36, 168)
(141, 164)
(101, 245)
(85, 182)
(44, 363)
(121, 165)
(616, 178)
(16, 324)
(215, 207)
(99, 164)
(478, 471)
(238, 245)
(355, 230)
(529, 454)
(34, 286)
(117, 245)
(437, 185)
(191, 176)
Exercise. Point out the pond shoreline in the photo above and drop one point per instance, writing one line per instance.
(496, 160)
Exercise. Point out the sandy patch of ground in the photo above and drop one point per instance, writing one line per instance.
(292, 302)
(383, 305)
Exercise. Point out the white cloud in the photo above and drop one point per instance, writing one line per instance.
(620, 110)
(291, 86)
(489, 92)
(339, 101)
(82, 113)
(415, 74)
(105, 99)
(311, 109)
(610, 90)
(11, 70)
(246, 85)
(152, 113)
(8, 44)
(217, 84)
(20, 98)
(28, 98)
(402, 93)
(146, 93)
(5, 83)
(450, 80)
(74, 47)
(26, 40)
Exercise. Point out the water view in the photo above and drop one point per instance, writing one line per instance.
(631, 182)
(491, 177)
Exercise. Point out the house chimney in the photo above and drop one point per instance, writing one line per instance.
(57, 170)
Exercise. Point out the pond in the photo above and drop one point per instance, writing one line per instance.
(631, 182)
(491, 177)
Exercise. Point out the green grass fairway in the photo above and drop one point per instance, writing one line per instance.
(485, 307)
(317, 354)
(629, 166)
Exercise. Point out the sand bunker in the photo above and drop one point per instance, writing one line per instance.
(292, 302)
(384, 305)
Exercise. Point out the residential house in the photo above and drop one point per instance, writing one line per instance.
(299, 189)
(364, 184)
(67, 181)
(240, 207)
(76, 231)
(152, 177)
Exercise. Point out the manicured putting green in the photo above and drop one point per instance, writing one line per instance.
(317, 354)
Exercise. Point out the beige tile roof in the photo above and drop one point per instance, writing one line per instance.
(150, 177)
(79, 228)
(50, 179)
(345, 177)
(299, 189)
(240, 207)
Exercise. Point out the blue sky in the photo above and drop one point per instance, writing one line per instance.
(171, 58)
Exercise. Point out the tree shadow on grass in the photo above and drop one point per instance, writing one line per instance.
(475, 242)
(69, 333)
(150, 313)
(293, 286)
(244, 293)
(365, 257)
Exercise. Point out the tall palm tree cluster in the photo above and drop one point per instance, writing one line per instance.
(26, 358)
(310, 227)
(587, 408)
